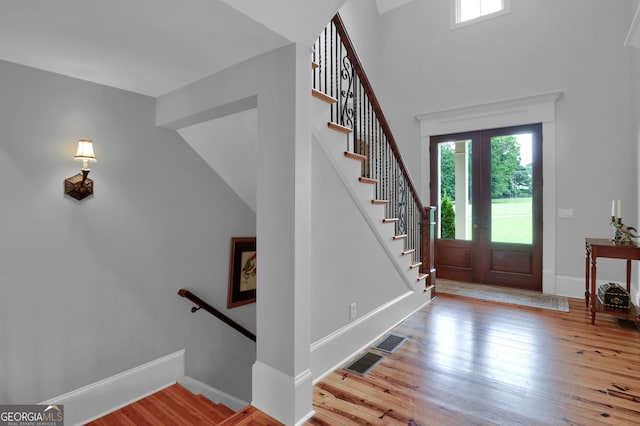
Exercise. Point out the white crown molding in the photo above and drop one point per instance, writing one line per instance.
(633, 36)
(506, 112)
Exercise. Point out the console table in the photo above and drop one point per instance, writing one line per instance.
(602, 247)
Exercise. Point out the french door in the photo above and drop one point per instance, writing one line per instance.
(488, 189)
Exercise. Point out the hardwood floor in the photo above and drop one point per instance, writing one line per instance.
(472, 362)
(176, 406)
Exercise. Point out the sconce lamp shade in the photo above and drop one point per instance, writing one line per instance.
(85, 152)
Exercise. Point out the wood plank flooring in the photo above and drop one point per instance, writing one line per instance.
(473, 362)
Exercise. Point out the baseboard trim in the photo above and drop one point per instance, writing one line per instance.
(575, 287)
(97, 399)
(215, 395)
(356, 323)
(330, 352)
(286, 398)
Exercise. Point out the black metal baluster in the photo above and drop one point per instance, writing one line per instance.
(378, 163)
(333, 53)
(368, 137)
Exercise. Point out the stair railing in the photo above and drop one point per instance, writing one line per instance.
(339, 73)
(216, 313)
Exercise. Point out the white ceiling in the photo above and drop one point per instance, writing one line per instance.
(155, 46)
(145, 46)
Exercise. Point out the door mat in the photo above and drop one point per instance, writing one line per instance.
(502, 294)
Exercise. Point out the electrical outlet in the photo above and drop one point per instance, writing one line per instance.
(353, 311)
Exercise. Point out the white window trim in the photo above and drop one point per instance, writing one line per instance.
(454, 15)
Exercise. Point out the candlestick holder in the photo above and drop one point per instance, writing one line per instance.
(620, 237)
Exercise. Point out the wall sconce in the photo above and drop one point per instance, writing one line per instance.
(80, 186)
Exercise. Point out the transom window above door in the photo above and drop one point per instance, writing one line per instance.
(466, 12)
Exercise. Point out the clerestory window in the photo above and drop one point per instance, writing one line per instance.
(465, 12)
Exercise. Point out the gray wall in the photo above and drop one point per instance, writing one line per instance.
(89, 288)
(349, 263)
(573, 46)
(635, 81)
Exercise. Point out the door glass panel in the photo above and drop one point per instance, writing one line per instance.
(454, 190)
(511, 189)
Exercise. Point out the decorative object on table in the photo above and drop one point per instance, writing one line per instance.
(242, 272)
(80, 186)
(622, 233)
(613, 296)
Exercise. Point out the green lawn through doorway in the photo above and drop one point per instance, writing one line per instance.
(512, 220)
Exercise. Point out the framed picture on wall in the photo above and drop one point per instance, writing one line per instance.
(242, 272)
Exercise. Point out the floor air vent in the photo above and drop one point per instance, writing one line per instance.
(390, 343)
(364, 363)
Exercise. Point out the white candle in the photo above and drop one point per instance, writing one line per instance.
(619, 208)
(613, 208)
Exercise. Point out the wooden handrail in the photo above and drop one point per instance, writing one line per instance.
(216, 313)
(366, 84)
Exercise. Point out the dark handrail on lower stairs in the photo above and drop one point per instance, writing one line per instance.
(216, 313)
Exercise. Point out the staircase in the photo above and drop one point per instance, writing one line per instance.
(349, 165)
(349, 121)
(175, 405)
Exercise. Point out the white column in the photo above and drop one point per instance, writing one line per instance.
(282, 382)
(279, 82)
(462, 190)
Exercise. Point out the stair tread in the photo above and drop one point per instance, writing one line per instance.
(135, 413)
(179, 399)
(203, 399)
(399, 237)
(407, 251)
(314, 65)
(217, 406)
(379, 201)
(422, 277)
(174, 411)
(390, 220)
(173, 405)
(339, 128)
(226, 410)
(323, 96)
(354, 156)
(250, 415)
(367, 180)
(415, 265)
